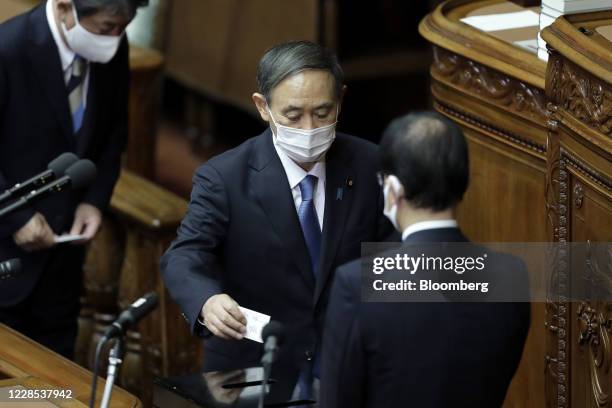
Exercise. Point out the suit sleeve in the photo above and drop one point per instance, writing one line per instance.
(13, 222)
(108, 162)
(190, 267)
(343, 366)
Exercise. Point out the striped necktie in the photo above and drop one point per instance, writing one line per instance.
(75, 92)
(309, 220)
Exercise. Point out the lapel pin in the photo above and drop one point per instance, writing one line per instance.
(349, 182)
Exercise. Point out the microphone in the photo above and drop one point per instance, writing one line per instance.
(273, 336)
(76, 176)
(55, 169)
(132, 315)
(9, 268)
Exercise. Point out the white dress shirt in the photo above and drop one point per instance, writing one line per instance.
(295, 174)
(65, 53)
(428, 225)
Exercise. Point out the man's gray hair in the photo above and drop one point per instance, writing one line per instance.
(287, 59)
(124, 8)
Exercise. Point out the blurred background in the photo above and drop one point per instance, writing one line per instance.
(211, 49)
(194, 64)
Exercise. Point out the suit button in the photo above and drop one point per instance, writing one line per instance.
(308, 354)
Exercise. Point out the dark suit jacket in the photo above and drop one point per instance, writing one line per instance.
(242, 237)
(36, 127)
(425, 355)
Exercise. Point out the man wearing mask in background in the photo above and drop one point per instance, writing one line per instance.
(270, 220)
(63, 88)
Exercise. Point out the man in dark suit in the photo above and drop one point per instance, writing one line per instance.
(63, 88)
(450, 353)
(271, 219)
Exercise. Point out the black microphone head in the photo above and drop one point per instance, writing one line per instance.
(150, 299)
(60, 164)
(142, 307)
(81, 173)
(275, 329)
(11, 266)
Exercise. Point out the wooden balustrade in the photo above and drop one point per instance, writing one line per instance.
(122, 265)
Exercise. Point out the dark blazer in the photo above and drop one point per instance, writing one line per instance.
(242, 237)
(36, 127)
(425, 355)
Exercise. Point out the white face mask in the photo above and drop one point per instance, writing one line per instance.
(304, 146)
(92, 47)
(394, 184)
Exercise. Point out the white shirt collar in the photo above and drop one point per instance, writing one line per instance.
(295, 174)
(66, 54)
(427, 225)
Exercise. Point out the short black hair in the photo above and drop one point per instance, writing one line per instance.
(126, 8)
(290, 58)
(428, 153)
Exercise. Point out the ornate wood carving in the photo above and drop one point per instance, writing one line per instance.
(562, 278)
(585, 97)
(578, 195)
(595, 322)
(470, 71)
(554, 320)
(479, 123)
(594, 317)
(489, 84)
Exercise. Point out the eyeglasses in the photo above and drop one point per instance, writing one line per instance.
(380, 177)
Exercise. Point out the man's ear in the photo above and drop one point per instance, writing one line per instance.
(396, 189)
(262, 106)
(65, 13)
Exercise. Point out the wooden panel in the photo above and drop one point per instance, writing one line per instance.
(11, 8)
(505, 200)
(22, 357)
(541, 151)
(579, 87)
(589, 202)
(211, 46)
(145, 74)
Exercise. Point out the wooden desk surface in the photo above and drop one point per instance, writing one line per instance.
(22, 357)
(444, 29)
(578, 39)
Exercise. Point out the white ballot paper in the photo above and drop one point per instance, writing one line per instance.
(255, 324)
(68, 238)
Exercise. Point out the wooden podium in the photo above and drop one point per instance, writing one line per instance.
(540, 140)
(26, 364)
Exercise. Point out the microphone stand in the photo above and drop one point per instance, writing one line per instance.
(115, 359)
(266, 362)
(264, 385)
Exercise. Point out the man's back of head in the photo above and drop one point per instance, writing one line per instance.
(429, 156)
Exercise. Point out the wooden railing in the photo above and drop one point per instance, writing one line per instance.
(122, 265)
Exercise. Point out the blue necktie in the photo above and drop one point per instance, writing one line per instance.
(311, 229)
(309, 220)
(75, 92)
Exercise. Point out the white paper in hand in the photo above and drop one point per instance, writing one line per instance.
(68, 238)
(255, 324)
